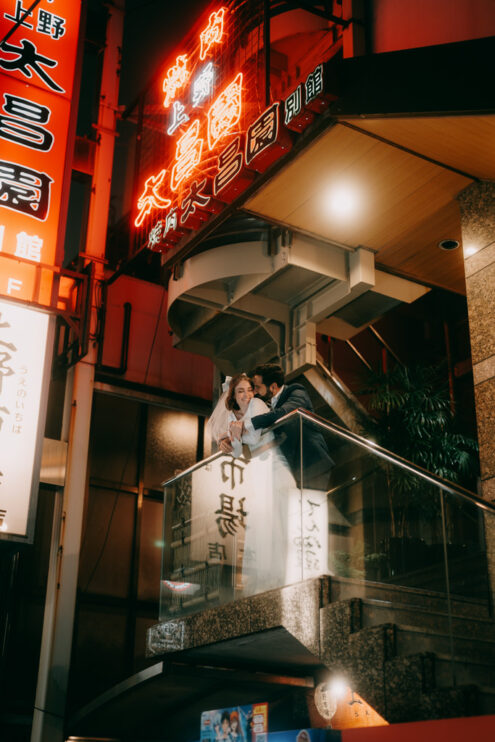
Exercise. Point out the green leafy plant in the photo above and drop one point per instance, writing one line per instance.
(412, 416)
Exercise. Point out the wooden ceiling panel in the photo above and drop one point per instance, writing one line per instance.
(465, 143)
(418, 254)
(284, 193)
(407, 204)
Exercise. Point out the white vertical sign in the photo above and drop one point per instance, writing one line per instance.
(23, 346)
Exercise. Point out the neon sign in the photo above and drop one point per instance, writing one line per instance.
(175, 79)
(221, 135)
(203, 85)
(179, 117)
(229, 165)
(188, 155)
(194, 197)
(225, 112)
(213, 33)
(150, 198)
(262, 133)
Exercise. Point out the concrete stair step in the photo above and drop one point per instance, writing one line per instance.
(344, 588)
(376, 611)
(486, 699)
(466, 672)
(416, 639)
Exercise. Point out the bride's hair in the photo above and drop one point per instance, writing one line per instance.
(230, 402)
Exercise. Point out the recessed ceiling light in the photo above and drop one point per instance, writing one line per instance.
(469, 250)
(448, 244)
(342, 201)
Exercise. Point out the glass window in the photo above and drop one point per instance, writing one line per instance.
(150, 552)
(171, 443)
(107, 543)
(114, 439)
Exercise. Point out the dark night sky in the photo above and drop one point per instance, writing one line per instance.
(152, 31)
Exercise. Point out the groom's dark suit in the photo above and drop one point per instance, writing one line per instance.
(316, 459)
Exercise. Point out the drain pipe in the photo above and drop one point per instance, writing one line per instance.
(124, 343)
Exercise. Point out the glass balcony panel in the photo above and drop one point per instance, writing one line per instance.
(465, 526)
(232, 529)
(383, 522)
(317, 500)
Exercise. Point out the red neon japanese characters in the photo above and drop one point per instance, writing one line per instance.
(213, 32)
(150, 197)
(225, 112)
(188, 155)
(176, 78)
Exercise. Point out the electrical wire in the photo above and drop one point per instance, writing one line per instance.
(21, 20)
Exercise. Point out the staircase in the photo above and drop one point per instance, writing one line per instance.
(394, 646)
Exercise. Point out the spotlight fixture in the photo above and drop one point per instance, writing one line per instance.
(342, 201)
(448, 244)
(470, 250)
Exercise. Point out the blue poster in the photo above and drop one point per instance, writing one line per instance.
(305, 735)
(236, 724)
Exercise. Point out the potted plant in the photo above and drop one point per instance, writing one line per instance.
(413, 417)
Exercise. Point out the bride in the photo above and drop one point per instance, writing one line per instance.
(237, 404)
(269, 484)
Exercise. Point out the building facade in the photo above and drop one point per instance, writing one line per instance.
(305, 182)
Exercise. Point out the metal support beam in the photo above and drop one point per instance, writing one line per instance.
(60, 604)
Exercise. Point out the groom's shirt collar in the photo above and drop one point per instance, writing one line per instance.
(275, 397)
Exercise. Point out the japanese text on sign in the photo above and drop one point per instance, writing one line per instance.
(37, 64)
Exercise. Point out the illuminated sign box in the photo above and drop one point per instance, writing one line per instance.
(25, 335)
(37, 64)
(211, 132)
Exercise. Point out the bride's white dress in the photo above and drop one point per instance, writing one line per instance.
(265, 562)
(281, 534)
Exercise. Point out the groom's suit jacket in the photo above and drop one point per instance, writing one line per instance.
(316, 459)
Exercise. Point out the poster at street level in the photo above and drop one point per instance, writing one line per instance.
(236, 724)
(305, 735)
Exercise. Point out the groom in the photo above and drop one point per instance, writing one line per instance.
(269, 384)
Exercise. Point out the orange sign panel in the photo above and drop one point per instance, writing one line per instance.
(37, 70)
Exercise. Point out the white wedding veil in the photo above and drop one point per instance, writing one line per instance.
(218, 423)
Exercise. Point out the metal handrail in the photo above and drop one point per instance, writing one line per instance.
(371, 447)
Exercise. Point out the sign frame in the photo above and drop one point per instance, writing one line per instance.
(28, 536)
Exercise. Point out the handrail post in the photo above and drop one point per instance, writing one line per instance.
(301, 489)
(447, 588)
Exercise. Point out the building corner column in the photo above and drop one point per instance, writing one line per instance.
(477, 206)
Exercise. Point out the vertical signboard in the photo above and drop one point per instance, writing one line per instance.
(37, 62)
(38, 48)
(24, 367)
